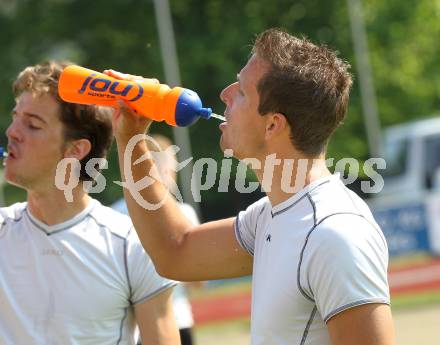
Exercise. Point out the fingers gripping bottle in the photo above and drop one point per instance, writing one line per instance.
(176, 106)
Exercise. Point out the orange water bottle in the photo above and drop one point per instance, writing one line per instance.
(176, 106)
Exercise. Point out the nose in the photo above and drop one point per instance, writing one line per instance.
(225, 95)
(13, 131)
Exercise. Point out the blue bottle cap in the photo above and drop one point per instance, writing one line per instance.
(189, 109)
(205, 113)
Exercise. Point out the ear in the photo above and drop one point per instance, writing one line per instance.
(77, 149)
(275, 125)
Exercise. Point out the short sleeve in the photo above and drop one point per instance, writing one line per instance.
(345, 265)
(246, 224)
(144, 281)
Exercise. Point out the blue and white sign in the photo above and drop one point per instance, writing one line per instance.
(405, 228)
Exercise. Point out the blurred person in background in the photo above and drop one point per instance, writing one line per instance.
(317, 257)
(166, 164)
(71, 271)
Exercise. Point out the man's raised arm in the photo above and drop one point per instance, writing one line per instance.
(178, 249)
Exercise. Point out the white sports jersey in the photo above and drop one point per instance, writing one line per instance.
(73, 283)
(181, 305)
(316, 254)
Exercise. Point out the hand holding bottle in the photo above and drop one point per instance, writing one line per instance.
(147, 97)
(126, 123)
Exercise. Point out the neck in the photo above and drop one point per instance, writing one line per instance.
(51, 207)
(281, 177)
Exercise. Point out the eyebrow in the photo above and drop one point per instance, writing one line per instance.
(32, 115)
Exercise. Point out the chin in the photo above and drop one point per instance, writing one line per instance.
(8, 176)
(225, 146)
(13, 179)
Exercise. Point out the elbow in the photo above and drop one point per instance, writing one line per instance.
(170, 262)
(167, 270)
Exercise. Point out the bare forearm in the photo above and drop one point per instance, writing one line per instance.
(161, 231)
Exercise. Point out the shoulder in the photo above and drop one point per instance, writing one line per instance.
(342, 218)
(254, 212)
(259, 206)
(117, 223)
(347, 235)
(334, 198)
(13, 212)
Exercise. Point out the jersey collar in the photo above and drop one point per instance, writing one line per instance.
(286, 204)
(50, 229)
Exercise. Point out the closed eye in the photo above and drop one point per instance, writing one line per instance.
(32, 127)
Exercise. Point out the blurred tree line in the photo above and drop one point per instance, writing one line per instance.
(213, 42)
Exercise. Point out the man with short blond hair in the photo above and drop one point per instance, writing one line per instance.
(318, 258)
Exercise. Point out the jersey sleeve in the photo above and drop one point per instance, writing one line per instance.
(344, 265)
(144, 281)
(246, 224)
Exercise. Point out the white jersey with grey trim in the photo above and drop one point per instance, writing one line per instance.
(181, 305)
(316, 254)
(73, 283)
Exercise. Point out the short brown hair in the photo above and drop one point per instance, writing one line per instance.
(307, 83)
(79, 121)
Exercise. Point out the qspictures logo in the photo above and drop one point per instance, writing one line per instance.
(206, 173)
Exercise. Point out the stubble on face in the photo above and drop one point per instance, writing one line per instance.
(37, 150)
(244, 131)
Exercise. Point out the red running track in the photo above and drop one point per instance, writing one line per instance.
(413, 279)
